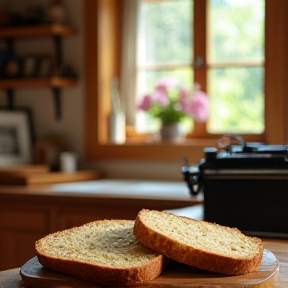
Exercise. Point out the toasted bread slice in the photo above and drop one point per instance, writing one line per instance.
(104, 252)
(201, 244)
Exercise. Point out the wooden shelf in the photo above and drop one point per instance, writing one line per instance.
(53, 82)
(37, 31)
(56, 32)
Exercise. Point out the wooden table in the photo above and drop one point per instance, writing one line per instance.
(11, 278)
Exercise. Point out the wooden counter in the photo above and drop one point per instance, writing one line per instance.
(11, 278)
(27, 213)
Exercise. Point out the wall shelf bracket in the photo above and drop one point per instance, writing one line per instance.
(58, 52)
(57, 103)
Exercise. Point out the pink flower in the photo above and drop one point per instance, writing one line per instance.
(184, 93)
(184, 99)
(146, 102)
(171, 103)
(165, 85)
(161, 97)
(199, 106)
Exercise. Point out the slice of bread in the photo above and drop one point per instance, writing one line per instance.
(201, 244)
(104, 252)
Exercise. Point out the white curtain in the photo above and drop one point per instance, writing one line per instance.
(128, 78)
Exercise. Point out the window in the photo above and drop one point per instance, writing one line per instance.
(232, 61)
(165, 50)
(105, 63)
(236, 66)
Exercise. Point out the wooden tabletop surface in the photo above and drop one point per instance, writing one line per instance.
(11, 278)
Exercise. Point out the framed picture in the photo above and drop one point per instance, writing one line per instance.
(29, 66)
(45, 66)
(16, 137)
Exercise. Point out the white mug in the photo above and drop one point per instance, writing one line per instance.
(68, 162)
(117, 127)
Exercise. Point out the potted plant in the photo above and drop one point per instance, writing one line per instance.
(171, 103)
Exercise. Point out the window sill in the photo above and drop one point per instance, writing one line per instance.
(152, 151)
(140, 149)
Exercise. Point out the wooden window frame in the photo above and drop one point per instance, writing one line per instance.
(102, 62)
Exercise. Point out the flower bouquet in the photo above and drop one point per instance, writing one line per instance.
(171, 103)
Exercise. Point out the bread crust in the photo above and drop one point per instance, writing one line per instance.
(190, 255)
(101, 274)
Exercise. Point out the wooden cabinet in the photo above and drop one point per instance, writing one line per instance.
(56, 32)
(20, 227)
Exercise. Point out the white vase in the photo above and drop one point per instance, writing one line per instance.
(170, 131)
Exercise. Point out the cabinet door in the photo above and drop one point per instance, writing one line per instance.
(19, 229)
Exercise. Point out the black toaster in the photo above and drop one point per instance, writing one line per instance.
(245, 186)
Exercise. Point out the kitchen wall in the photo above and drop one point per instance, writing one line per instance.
(71, 125)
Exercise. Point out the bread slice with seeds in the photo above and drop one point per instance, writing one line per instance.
(104, 252)
(201, 244)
